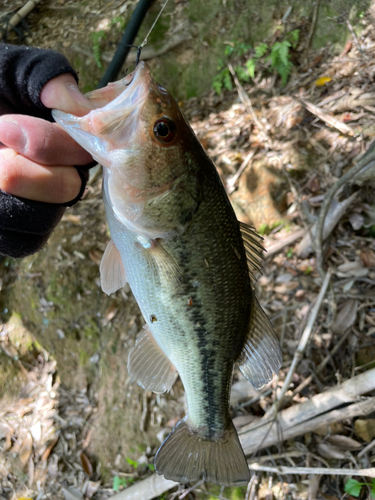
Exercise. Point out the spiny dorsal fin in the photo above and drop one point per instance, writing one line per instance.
(112, 272)
(253, 248)
(149, 366)
(261, 356)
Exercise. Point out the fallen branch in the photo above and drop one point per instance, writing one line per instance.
(306, 417)
(326, 118)
(333, 216)
(355, 171)
(313, 470)
(294, 421)
(21, 14)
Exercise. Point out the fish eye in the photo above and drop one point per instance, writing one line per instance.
(164, 130)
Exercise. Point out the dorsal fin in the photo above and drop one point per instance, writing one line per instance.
(253, 248)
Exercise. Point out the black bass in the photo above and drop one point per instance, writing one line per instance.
(189, 262)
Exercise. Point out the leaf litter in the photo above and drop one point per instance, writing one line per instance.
(278, 156)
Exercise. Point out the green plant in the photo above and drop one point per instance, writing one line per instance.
(353, 487)
(278, 56)
(131, 462)
(97, 37)
(121, 481)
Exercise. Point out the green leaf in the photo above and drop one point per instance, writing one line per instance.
(372, 490)
(131, 462)
(261, 50)
(242, 73)
(353, 487)
(250, 65)
(227, 80)
(284, 52)
(294, 37)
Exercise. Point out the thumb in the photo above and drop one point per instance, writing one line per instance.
(62, 93)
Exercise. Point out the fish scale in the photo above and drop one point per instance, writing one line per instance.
(188, 261)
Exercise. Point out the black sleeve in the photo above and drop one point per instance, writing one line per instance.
(23, 73)
(26, 225)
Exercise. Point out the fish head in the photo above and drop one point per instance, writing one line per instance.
(140, 136)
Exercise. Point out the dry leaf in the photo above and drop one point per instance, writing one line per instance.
(96, 256)
(344, 442)
(86, 464)
(72, 493)
(346, 316)
(365, 429)
(327, 450)
(351, 269)
(6, 432)
(367, 257)
(26, 448)
(49, 449)
(92, 488)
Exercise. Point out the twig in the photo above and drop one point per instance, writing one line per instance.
(356, 41)
(231, 181)
(361, 164)
(321, 365)
(313, 470)
(245, 99)
(366, 449)
(312, 28)
(325, 117)
(288, 240)
(21, 14)
(304, 339)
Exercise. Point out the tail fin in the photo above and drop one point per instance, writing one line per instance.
(185, 457)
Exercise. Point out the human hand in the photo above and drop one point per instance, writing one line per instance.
(37, 157)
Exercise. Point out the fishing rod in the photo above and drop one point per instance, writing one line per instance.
(126, 43)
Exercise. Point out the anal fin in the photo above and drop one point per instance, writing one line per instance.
(112, 272)
(149, 366)
(261, 356)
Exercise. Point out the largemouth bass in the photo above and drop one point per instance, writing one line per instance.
(189, 263)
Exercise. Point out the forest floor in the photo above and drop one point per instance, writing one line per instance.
(72, 426)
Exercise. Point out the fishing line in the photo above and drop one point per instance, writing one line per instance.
(140, 47)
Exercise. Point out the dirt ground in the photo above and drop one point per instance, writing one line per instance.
(71, 423)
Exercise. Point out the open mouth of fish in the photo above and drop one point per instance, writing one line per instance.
(109, 133)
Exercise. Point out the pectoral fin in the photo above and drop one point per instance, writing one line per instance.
(253, 248)
(261, 356)
(149, 366)
(162, 263)
(112, 272)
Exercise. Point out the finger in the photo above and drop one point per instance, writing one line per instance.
(41, 141)
(62, 93)
(24, 178)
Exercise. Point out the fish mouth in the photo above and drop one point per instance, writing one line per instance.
(112, 127)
